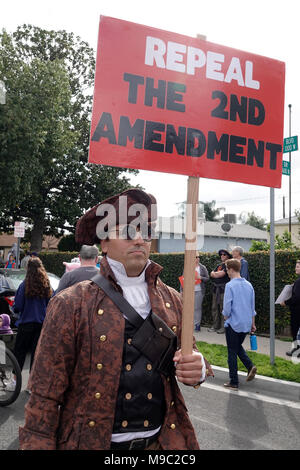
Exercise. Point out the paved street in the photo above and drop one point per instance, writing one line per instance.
(263, 414)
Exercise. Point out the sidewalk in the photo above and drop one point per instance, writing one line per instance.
(263, 343)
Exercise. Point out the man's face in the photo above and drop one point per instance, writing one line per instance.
(132, 253)
(235, 254)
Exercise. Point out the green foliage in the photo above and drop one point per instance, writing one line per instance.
(44, 133)
(53, 262)
(283, 369)
(206, 209)
(68, 243)
(259, 262)
(283, 242)
(254, 220)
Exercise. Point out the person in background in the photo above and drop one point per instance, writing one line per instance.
(25, 260)
(88, 257)
(219, 279)
(31, 301)
(294, 305)
(203, 276)
(237, 253)
(11, 263)
(239, 314)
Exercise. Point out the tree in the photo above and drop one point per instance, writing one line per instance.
(206, 209)
(44, 133)
(253, 220)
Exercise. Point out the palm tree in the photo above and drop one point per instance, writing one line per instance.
(204, 208)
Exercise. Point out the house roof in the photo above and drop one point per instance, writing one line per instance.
(294, 221)
(49, 241)
(176, 225)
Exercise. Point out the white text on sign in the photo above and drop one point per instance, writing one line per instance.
(195, 58)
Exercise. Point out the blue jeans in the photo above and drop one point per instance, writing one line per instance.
(234, 342)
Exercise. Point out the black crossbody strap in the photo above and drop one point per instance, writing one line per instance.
(118, 300)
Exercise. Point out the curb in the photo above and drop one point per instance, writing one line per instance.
(257, 376)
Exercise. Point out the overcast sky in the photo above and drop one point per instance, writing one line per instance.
(268, 28)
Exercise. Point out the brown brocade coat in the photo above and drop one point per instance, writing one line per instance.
(75, 377)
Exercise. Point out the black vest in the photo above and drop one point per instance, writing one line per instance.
(140, 402)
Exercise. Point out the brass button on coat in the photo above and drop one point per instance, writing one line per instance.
(149, 396)
(124, 424)
(149, 367)
(103, 338)
(129, 340)
(99, 366)
(128, 367)
(146, 423)
(174, 328)
(128, 396)
(92, 424)
(173, 426)
(100, 311)
(98, 395)
(168, 305)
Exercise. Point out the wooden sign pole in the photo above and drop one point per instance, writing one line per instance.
(189, 260)
(189, 265)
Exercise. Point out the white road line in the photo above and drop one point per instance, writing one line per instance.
(254, 396)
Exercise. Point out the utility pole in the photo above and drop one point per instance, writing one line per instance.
(283, 208)
(290, 175)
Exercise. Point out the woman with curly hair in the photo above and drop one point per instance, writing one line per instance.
(31, 301)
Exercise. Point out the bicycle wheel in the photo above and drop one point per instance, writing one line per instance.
(9, 368)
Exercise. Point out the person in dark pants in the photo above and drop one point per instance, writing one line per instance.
(294, 304)
(31, 301)
(239, 314)
(219, 279)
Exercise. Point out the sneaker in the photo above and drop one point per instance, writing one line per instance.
(197, 328)
(11, 385)
(251, 374)
(211, 330)
(290, 353)
(221, 331)
(231, 386)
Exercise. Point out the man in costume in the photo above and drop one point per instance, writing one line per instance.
(95, 382)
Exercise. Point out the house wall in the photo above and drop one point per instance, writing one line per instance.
(280, 229)
(205, 244)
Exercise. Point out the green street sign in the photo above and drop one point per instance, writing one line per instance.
(290, 144)
(286, 167)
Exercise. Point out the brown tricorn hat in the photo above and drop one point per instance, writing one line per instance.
(121, 208)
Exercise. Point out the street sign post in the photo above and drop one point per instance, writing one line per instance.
(290, 144)
(19, 232)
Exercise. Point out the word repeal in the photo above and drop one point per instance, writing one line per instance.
(195, 58)
(190, 142)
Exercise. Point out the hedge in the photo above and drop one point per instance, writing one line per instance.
(172, 263)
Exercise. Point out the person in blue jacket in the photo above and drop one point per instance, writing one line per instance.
(31, 302)
(237, 253)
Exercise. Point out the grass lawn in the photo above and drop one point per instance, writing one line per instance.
(283, 369)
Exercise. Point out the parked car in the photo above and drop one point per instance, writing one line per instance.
(10, 279)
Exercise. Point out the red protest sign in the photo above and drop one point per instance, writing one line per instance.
(171, 103)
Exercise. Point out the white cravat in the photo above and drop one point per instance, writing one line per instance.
(135, 289)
